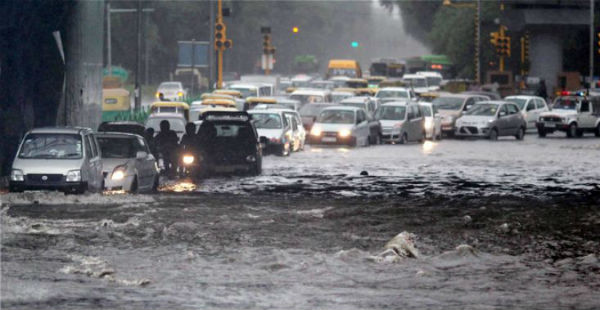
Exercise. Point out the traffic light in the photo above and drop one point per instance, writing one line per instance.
(266, 43)
(598, 34)
(494, 38)
(354, 44)
(506, 46)
(526, 45)
(220, 35)
(295, 30)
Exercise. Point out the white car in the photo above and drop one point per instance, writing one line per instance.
(308, 95)
(531, 108)
(298, 131)
(127, 163)
(274, 130)
(433, 121)
(57, 158)
(341, 125)
(401, 122)
(573, 113)
(417, 82)
(338, 96)
(248, 89)
(365, 103)
(172, 91)
(389, 94)
(434, 79)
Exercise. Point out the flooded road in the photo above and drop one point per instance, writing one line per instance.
(496, 226)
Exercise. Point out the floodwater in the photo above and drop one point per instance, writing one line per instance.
(497, 225)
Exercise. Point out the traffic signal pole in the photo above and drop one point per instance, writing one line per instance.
(501, 60)
(219, 50)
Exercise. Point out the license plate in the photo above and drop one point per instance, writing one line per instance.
(329, 139)
(549, 125)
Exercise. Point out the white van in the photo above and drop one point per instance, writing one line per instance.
(58, 158)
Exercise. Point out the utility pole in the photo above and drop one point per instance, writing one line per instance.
(108, 43)
(591, 43)
(191, 95)
(211, 52)
(138, 59)
(478, 43)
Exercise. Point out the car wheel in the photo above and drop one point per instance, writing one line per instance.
(378, 139)
(494, 134)
(541, 132)
(134, 185)
(597, 132)
(285, 150)
(572, 131)
(404, 138)
(155, 184)
(423, 136)
(520, 134)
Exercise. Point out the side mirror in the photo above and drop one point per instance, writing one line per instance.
(501, 114)
(468, 107)
(141, 155)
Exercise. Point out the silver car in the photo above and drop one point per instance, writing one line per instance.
(401, 122)
(57, 158)
(531, 108)
(341, 125)
(127, 163)
(491, 119)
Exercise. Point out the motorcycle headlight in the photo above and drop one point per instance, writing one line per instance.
(73, 176)
(118, 173)
(188, 159)
(17, 175)
(344, 133)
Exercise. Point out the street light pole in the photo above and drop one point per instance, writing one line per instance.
(138, 59)
(478, 43)
(591, 78)
(108, 39)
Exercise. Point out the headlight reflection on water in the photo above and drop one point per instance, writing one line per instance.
(428, 147)
(180, 186)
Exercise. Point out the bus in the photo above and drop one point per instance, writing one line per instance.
(437, 63)
(387, 67)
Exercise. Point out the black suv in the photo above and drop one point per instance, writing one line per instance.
(229, 143)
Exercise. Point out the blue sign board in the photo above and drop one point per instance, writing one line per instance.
(199, 49)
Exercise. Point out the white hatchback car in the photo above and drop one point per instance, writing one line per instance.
(57, 158)
(531, 108)
(274, 130)
(433, 121)
(172, 91)
(341, 125)
(127, 163)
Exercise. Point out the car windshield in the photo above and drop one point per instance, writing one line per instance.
(565, 103)
(176, 124)
(426, 110)
(336, 117)
(391, 113)
(267, 120)
(113, 147)
(518, 101)
(416, 82)
(483, 109)
(170, 86)
(338, 98)
(434, 81)
(448, 103)
(342, 72)
(308, 98)
(51, 146)
(311, 109)
(245, 92)
(298, 84)
(392, 94)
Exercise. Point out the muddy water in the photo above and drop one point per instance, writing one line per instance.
(494, 231)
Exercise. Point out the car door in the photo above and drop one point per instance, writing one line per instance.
(95, 164)
(515, 119)
(362, 128)
(145, 166)
(294, 129)
(502, 123)
(530, 113)
(584, 117)
(468, 104)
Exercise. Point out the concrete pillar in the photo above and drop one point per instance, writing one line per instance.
(546, 54)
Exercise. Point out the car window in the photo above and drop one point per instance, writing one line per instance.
(93, 146)
(411, 114)
(541, 104)
(512, 109)
(470, 102)
(294, 123)
(530, 106)
(88, 147)
(141, 145)
(113, 147)
(585, 106)
(360, 116)
(504, 110)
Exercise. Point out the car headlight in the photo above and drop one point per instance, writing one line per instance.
(74, 176)
(343, 133)
(157, 95)
(188, 159)
(17, 175)
(180, 94)
(315, 131)
(428, 123)
(118, 173)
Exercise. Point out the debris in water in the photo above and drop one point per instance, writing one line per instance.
(400, 247)
(504, 228)
(467, 220)
(364, 173)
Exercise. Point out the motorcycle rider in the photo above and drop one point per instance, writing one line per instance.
(166, 145)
